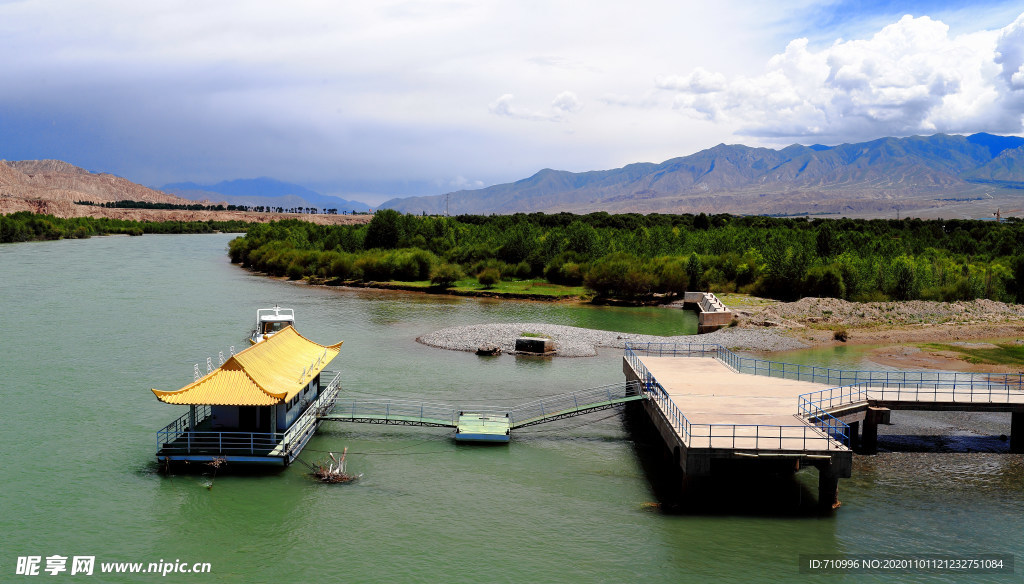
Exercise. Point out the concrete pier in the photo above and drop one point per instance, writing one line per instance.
(712, 416)
(711, 313)
(738, 421)
(1017, 432)
(872, 418)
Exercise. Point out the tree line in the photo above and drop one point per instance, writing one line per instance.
(638, 256)
(129, 204)
(26, 226)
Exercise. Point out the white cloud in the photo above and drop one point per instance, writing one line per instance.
(567, 103)
(910, 77)
(564, 103)
(462, 183)
(700, 81)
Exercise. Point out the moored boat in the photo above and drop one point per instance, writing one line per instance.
(270, 321)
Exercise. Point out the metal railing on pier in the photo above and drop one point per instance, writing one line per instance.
(828, 375)
(937, 393)
(823, 431)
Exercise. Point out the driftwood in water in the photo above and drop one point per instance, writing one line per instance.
(333, 471)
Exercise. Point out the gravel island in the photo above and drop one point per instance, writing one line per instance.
(573, 341)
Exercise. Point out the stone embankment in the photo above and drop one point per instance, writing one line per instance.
(573, 341)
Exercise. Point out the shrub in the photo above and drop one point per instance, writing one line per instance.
(841, 335)
(445, 275)
(825, 282)
(489, 277)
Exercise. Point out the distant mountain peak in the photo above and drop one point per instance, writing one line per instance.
(874, 178)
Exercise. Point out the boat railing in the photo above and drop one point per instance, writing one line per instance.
(299, 432)
(181, 425)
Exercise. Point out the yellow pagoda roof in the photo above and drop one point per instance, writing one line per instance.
(270, 372)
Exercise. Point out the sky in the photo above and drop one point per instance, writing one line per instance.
(390, 98)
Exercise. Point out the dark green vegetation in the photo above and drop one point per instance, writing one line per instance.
(126, 204)
(637, 256)
(25, 226)
(1000, 354)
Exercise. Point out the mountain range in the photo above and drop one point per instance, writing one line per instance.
(926, 176)
(262, 192)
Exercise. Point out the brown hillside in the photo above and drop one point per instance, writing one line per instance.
(53, 186)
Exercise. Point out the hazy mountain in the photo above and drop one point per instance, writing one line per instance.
(263, 192)
(924, 176)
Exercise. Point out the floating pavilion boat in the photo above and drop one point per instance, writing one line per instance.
(262, 405)
(270, 321)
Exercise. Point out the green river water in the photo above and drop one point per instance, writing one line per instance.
(90, 326)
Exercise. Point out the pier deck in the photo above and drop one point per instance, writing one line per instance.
(728, 410)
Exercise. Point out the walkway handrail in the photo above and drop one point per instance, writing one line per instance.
(575, 401)
(437, 414)
(401, 411)
(827, 375)
(765, 436)
(945, 393)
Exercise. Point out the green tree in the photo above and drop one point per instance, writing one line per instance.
(385, 230)
(694, 272)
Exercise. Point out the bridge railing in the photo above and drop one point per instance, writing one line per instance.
(828, 375)
(571, 402)
(824, 433)
(834, 397)
(394, 410)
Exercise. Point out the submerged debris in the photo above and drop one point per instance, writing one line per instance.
(215, 462)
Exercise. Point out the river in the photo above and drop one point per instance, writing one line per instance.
(91, 325)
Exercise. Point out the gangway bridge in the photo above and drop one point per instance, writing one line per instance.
(483, 423)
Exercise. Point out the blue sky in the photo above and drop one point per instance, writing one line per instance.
(393, 98)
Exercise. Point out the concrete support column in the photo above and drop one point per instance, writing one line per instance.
(854, 435)
(1017, 432)
(828, 489)
(874, 416)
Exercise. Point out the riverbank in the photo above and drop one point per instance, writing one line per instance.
(904, 335)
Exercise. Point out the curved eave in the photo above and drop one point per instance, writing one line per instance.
(267, 373)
